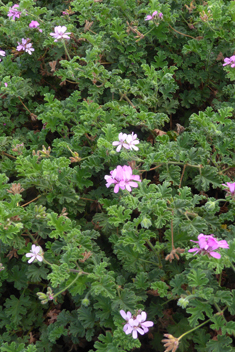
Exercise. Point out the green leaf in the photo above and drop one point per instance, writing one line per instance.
(103, 308)
(55, 332)
(161, 288)
(218, 322)
(231, 307)
(171, 173)
(105, 344)
(141, 281)
(61, 224)
(176, 283)
(59, 274)
(16, 308)
(13, 347)
(196, 277)
(18, 275)
(80, 177)
(36, 273)
(229, 328)
(198, 310)
(118, 215)
(220, 344)
(208, 175)
(86, 316)
(223, 296)
(79, 286)
(104, 286)
(195, 226)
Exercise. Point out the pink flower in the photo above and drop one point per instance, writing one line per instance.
(13, 12)
(36, 253)
(6, 84)
(122, 178)
(25, 45)
(208, 244)
(127, 141)
(34, 24)
(229, 61)
(136, 324)
(2, 53)
(150, 18)
(231, 188)
(60, 33)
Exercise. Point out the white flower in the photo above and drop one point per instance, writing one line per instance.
(127, 141)
(60, 33)
(2, 53)
(131, 142)
(36, 253)
(122, 137)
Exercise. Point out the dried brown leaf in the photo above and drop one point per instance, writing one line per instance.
(159, 132)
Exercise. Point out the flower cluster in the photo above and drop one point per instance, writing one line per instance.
(135, 324)
(34, 24)
(208, 245)
(36, 253)
(60, 33)
(45, 297)
(231, 186)
(154, 15)
(127, 141)
(122, 178)
(229, 61)
(13, 12)
(25, 45)
(2, 53)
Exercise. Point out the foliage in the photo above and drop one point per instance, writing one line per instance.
(62, 107)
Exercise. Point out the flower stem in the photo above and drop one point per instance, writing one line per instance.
(145, 34)
(66, 50)
(187, 332)
(31, 201)
(45, 261)
(154, 250)
(71, 283)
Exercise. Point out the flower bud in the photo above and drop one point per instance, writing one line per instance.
(183, 302)
(85, 302)
(41, 295)
(210, 205)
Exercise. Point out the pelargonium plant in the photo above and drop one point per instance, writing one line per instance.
(25, 45)
(2, 53)
(128, 141)
(35, 24)
(99, 68)
(13, 12)
(123, 178)
(60, 33)
(136, 324)
(230, 187)
(208, 244)
(229, 61)
(35, 254)
(154, 15)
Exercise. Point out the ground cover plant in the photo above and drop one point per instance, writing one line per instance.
(117, 176)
